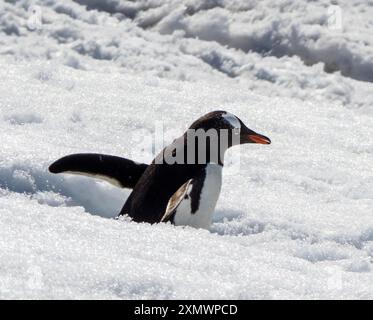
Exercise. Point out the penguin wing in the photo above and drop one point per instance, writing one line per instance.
(182, 194)
(118, 171)
(186, 199)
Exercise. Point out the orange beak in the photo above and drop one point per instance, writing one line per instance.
(256, 138)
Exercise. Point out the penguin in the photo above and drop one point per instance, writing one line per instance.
(183, 182)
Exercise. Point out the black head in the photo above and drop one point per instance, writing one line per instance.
(208, 138)
(238, 132)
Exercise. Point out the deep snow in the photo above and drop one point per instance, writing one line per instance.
(295, 221)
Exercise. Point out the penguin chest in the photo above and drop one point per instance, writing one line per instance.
(201, 194)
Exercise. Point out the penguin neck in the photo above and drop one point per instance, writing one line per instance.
(205, 146)
(211, 159)
(201, 152)
(208, 154)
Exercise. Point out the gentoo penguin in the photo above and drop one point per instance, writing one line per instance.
(183, 182)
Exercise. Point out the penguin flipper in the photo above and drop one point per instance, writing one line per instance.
(181, 194)
(118, 171)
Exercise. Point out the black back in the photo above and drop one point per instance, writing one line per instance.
(148, 200)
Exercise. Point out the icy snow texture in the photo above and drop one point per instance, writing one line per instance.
(98, 76)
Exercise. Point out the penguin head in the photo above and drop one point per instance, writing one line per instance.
(237, 131)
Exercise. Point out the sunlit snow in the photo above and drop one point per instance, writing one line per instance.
(295, 219)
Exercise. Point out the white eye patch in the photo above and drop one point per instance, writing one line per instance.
(232, 120)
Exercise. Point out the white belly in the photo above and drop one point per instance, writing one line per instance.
(202, 218)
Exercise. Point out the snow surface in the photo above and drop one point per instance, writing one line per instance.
(295, 221)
